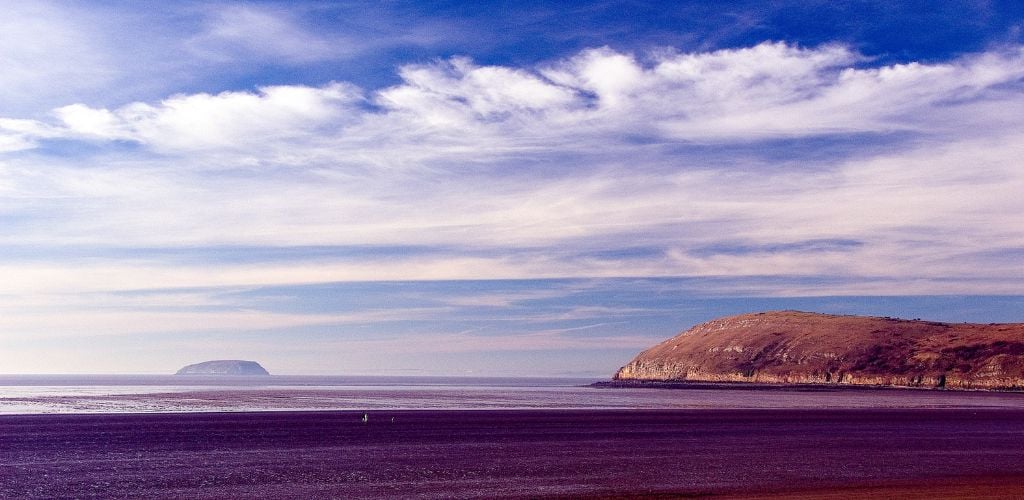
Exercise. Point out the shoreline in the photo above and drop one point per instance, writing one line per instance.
(760, 386)
(585, 395)
(301, 412)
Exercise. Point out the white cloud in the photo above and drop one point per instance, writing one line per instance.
(18, 135)
(89, 122)
(229, 120)
(458, 91)
(526, 174)
(597, 97)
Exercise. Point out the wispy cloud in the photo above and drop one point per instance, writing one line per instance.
(531, 172)
(236, 31)
(44, 42)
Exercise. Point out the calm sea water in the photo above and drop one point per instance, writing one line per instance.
(28, 394)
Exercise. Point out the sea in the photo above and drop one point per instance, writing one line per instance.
(53, 394)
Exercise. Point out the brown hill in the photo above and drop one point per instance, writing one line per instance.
(791, 347)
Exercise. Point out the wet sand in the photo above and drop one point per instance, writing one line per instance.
(858, 453)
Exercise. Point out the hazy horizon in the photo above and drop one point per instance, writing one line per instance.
(493, 189)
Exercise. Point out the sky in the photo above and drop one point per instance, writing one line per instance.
(524, 188)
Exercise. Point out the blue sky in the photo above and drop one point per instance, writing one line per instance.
(493, 188)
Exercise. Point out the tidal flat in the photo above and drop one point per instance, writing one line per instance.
(728, 453)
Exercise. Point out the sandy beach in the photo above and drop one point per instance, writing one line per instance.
(857, 453)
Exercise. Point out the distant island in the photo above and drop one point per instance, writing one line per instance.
(792, 347)
(224, 367)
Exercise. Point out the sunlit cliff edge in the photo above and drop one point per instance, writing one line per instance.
(791, 347)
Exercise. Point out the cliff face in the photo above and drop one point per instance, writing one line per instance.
(224, 367)
(790, 347)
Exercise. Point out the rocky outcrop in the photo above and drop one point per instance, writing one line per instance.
(224, 367)
(791, 347)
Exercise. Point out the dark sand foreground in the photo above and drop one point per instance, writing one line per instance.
(952, 453)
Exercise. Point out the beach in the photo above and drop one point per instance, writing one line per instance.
(742, 453)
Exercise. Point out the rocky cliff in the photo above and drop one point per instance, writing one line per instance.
(224, 367)
(790, 347)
